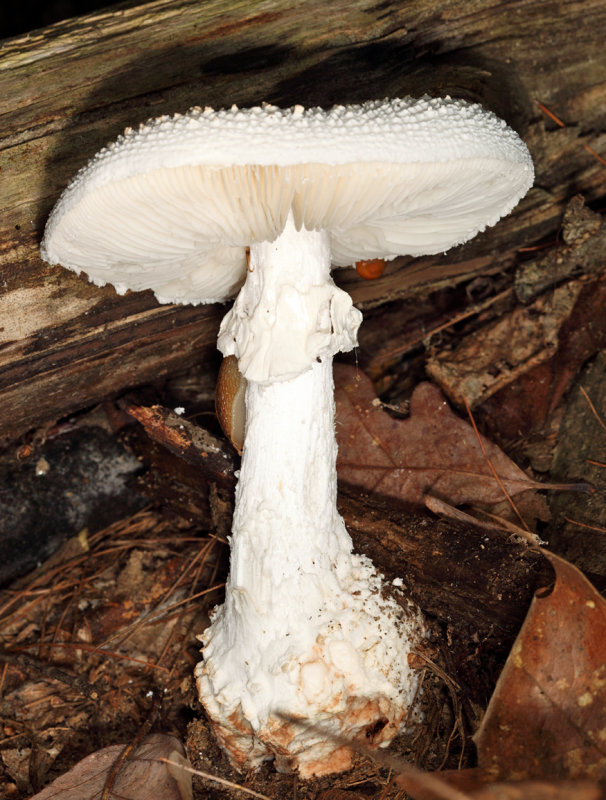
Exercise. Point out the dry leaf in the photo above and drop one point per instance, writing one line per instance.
(547, 716)
(525, 406)
(543, 736)
(141, 776)
(540, 790)
(472, 789)
(432, 452)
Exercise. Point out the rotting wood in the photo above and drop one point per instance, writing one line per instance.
(479, 365)
(68, 89)
(192, 443)
(496, 355)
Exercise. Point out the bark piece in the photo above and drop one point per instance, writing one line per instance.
(578, 528)
(584, 235)
(473, 581)
(195, 445)
(496, 355)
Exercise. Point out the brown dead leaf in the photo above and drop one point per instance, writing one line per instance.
(142, 775)
(526, 405)
(543, 736)
(432, 452)
(547, 716)
(472, 789)
(540, 790)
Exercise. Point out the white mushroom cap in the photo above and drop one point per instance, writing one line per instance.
(172, 207)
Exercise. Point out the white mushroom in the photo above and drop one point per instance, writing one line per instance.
(306, 629)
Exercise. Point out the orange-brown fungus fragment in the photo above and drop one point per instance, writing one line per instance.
(369, 270)
(229, 401)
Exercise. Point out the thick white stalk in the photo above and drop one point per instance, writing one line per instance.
(286, 528)
(304, 630)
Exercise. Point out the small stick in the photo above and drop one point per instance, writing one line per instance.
(585, 525)
(99, 651)
(209, 777)
(592, 407)
(559, 122)
(130, 748)
(491, 466)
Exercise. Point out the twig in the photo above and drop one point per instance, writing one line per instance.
(221, 781)
(491, 466)
(470, 311)
(507, 525)
(161, 614)
(453, 687)
(438, 506)
(592, 407)
(99, 651)
(585, 525)
(131, 747)
(561, 124)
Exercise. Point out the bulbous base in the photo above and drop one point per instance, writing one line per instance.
(343, 677)
(371, 723)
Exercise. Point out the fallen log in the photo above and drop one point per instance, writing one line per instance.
(69, 88)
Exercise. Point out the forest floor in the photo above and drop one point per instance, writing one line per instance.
(483, 488)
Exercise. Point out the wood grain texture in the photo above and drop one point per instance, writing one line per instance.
(68, 89)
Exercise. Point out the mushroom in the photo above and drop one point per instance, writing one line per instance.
(307, 633)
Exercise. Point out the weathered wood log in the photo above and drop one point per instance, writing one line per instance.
(68, 89)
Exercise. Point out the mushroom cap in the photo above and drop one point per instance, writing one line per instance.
(173, 205)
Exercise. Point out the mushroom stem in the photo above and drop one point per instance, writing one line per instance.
(305, 630)
(286, 528)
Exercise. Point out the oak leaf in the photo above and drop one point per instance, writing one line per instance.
(543, 736)
(433, 451)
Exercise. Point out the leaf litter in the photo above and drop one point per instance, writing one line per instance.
(543, 736)
(544, 732)
(552, 689)
(433, 453)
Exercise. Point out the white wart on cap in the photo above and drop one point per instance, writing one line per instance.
(172, 206)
